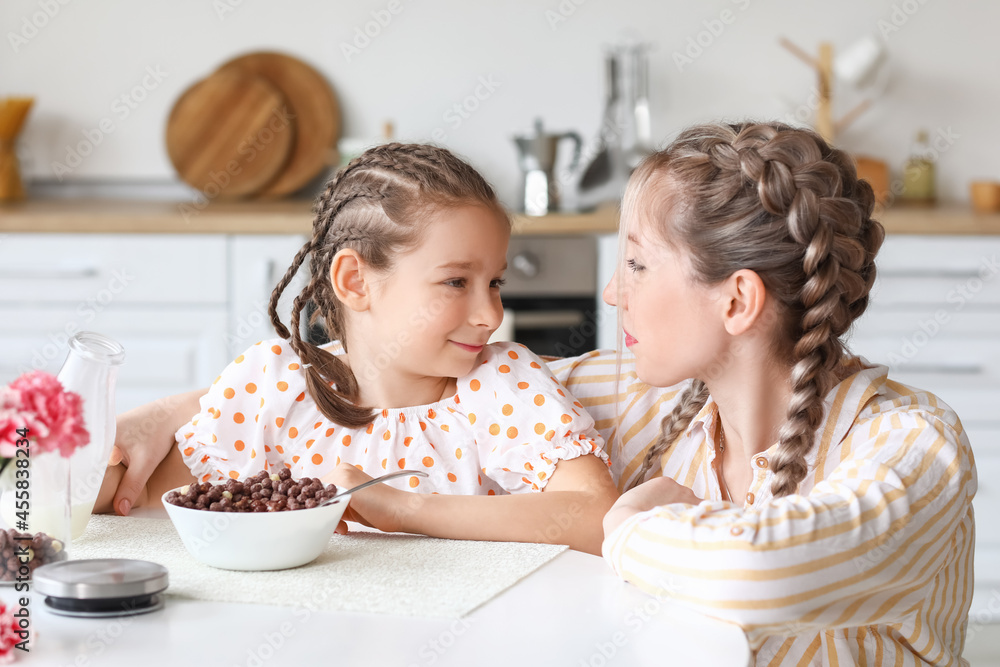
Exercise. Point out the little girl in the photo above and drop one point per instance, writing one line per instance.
(407, 258)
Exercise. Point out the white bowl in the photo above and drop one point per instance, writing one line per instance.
(256, 540)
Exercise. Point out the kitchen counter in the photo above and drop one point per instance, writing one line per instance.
(294, 217)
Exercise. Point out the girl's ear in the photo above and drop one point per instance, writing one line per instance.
(744, 301)
(348, 277)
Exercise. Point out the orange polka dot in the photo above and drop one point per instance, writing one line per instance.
(282, 386)
(539, 428)
(386, 435)
(445, 427)
(262, 402)
(414, 482)
(276, 349)
(512, 433)
(507, 410)
(385, 413)
(427, 461)
(512, 354)
(238, 418)
(206, 477)
(310, 443)
(329, 432)
(267, 448)
(431, 414)
(281, 450)
(293, 432)
(494, 429)
(401, 463)
(402, 417)
(578, 404)
(188, 435)
(451, 477)
(539, 399)
(229, 392)
(528, 466)
(240, 359)
(407, 441)
(346, 439)
(301, 397)
(317, 459)
(522, 385)
(491, 492)
(475, 385)
(278, 421)
(504, 368)
(550, 435)
(256, 418)
(293, 367)
(295, 459)
(472, 417)
(239, 445)
(253, 453)
(423, 426)
(233, 474)
(337, 461)
(189, 451)
(458, 453)
(542, 475)
(566, 419)
(534, 364)
(384, 462)
(215, 438)
(371, 427)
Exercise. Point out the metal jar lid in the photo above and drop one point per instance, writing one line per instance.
(100, 579)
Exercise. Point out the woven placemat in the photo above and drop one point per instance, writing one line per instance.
(379, 573)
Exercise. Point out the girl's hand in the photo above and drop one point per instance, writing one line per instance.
(654, 493)
(379, 506)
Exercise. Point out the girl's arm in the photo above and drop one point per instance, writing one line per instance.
(169, 474)
(143, 440)
(569, 510)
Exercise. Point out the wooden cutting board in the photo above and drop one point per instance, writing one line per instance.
(229, 135)
(314, 106)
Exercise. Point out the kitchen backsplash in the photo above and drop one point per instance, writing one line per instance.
(471, 75)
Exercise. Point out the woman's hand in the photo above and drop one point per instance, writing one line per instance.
(654, 493)
(379, 506)
(143, 438)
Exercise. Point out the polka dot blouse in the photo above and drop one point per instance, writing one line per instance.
(503, 431)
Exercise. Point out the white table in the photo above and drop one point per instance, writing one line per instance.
(572, 611)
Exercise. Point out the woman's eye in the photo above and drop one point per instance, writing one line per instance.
(498, 283)
(634, 265)
(455, 282)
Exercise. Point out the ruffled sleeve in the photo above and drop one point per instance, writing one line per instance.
(523, 420)
(226, 438)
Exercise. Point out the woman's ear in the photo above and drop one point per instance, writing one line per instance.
(348, 277)
(745, 299)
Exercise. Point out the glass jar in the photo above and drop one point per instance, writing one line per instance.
(91, 370)
(35, 503)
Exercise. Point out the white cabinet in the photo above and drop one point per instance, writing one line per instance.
(182, 305)
(934, 320)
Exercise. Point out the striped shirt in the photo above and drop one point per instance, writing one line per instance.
(870, 563)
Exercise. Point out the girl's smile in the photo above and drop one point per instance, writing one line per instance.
(475, 349)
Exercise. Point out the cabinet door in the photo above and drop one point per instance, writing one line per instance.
(167, 349)
(257, 263)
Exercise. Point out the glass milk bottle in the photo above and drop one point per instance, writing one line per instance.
(91, 370)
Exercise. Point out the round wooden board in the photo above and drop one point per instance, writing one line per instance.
(229, 135)
(314, 106)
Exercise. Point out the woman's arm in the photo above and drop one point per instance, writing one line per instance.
(569, 510)
(144, 437)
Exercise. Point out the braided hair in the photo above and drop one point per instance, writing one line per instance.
(781, 202)
(376, 206)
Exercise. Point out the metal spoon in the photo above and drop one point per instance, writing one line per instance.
(377, 480)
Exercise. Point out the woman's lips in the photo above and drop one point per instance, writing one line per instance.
(630, 340)
(468, 348)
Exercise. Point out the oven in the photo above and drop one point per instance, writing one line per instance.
(550, 295)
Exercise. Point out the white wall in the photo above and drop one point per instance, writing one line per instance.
(431, 56)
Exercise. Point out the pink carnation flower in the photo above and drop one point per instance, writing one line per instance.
(9, 635)
(53, 416)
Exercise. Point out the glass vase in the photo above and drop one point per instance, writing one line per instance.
(35, 504)
(91, 370)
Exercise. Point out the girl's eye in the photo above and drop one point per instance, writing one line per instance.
(634, 265)
(498, 283)
(455, 282)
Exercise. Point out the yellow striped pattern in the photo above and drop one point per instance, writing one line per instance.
(871, 564)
